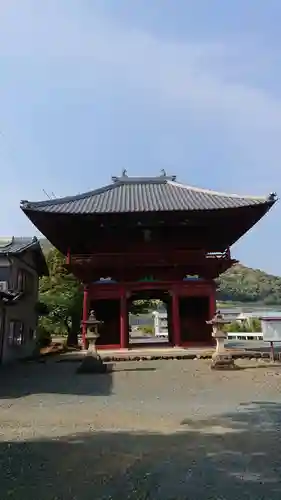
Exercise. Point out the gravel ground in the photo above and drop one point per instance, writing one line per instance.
(147, 430)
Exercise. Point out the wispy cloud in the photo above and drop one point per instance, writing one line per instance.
(58, 58)
(59, 39)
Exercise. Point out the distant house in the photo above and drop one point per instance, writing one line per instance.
(21, 264)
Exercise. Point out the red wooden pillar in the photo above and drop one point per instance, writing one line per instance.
(68, 257)
(85, 315)
(212, 310)
(124, 334)
(176, 320)
(212, 302)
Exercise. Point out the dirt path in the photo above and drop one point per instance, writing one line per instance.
(149, 430)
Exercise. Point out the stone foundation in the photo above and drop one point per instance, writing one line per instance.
(92, 364)
(223, 361)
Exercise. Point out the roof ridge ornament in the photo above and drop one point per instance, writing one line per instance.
(272, 197)
(123, 177)
(164, 175)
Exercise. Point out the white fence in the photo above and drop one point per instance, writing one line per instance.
(244, 336)
(160, 324)
(161, 329)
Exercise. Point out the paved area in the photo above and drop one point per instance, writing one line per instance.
(154, 352)
(256, 345)
(143, 352)
(146, 430)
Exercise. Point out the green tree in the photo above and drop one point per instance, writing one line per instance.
(235, 326)
(254, 325)
(143, 306)
(62, 294)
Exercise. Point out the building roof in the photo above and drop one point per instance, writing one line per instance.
(17, 245)
(140, 194)
(13, 245)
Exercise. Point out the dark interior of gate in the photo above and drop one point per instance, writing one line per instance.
(108, 312)
(194, 312)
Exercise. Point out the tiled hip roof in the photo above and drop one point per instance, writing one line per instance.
(143, 196)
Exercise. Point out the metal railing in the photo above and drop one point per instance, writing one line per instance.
(166, 255)
(244, 336)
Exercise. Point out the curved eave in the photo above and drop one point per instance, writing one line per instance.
(32, 209)
(245, 223)
(41, 264)
(40, 261)
(214, 203)
(63, 229)
(144, 196)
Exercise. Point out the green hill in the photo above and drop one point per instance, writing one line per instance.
(243, 284)
(238, 284)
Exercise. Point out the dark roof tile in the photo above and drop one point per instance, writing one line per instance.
(159, 194)
(16, 245)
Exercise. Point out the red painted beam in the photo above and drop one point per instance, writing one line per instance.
(124, 332)
(131, 267)
(182, 288)
(85, 315)
(68, 257)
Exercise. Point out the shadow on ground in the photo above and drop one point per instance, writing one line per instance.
(264, 365)
(234, 457)
(23, 379)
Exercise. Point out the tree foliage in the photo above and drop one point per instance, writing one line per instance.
(251, 325)
(62, 294)
(144, 306)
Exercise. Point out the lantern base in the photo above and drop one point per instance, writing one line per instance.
(223, 361)
(92, 364)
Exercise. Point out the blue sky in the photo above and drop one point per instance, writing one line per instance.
(89, 87)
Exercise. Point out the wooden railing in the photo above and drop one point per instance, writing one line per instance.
(158, 258)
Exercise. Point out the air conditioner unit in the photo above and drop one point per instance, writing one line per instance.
(3, 286)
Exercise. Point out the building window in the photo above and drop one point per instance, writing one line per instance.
(24, 281)
(16, 333)
(21, 280)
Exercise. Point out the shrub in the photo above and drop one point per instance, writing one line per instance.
(147, 329)
(235, 326)
(43, 338)
(41, 308)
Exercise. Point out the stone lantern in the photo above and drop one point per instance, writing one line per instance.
(221, 358)
(92, 332)
(92, 362)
